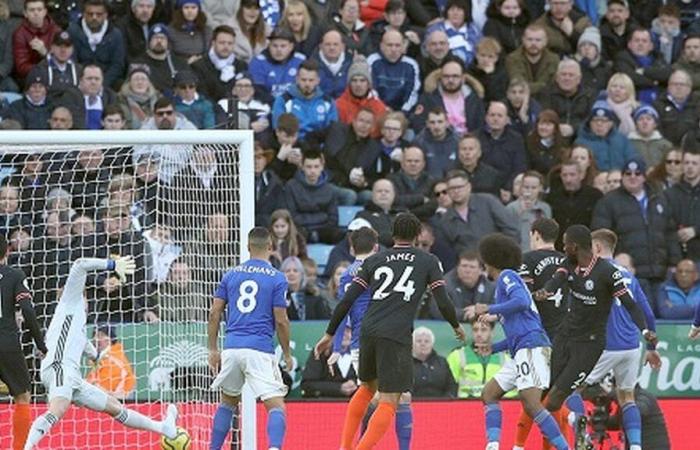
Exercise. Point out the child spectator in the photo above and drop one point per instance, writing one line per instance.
(287, 241)
(666, 33)
(648, 141)
(595, 70)
(489, 69)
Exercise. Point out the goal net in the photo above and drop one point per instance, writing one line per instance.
(180, 203)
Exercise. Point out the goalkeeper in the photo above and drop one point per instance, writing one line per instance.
(66, 342)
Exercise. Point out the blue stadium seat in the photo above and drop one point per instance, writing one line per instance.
(320, 254)
(346, 214)
(10, 96)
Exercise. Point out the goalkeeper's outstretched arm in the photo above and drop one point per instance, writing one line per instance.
(75, 285)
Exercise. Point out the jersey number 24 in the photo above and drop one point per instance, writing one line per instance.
(404, 283)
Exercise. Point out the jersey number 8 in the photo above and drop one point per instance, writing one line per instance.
(404, 284)
(246, 301)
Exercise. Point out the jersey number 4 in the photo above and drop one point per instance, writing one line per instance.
(404, 284)
(246, 296)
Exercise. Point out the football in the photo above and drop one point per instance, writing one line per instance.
(182, 441)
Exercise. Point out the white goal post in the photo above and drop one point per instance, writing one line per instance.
(236, 147)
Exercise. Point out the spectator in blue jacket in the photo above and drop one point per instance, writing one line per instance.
(679, 296)
(610, 147)
(334, 61)
(315, 110)
(395, 77)
(311, 199)
(275, 69)
(98, 41)
(188, 102)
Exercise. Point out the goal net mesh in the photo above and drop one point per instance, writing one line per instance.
(176, 209)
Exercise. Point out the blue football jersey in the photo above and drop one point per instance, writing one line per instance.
(251, 291)
(622, 333)
(357, 312)
(519, 317)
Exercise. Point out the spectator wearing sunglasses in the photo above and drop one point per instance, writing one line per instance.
(644, 224)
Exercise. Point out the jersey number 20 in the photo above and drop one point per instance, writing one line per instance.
(404, 284)
(246, 300)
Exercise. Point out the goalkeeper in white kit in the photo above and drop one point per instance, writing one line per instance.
(60, 368)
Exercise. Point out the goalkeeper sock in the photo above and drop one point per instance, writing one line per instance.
(494, 416)
(276, 426)
(378, 424)
(404, 426)
(221, 425)
(522, 430)
(21, 421)
(39, 428)
(632, 423)
(550, 429)
(356, 410)
(136, 420)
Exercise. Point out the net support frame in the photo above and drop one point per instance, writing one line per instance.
(243, 138)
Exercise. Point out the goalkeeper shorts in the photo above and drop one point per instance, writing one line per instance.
(68, 383)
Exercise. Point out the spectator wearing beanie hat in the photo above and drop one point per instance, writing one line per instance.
(134, 26)
(190, 34)
(644, 225)
(646, 139)
(359, 94)
(97, 41)
(610, 148)
(159, 58)
(595, 70)
(33, 110)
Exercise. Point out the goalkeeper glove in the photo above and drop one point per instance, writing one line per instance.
(124, 265)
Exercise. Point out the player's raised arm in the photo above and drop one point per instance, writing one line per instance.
(75, 285)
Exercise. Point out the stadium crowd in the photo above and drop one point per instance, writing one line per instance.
(477, 116)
